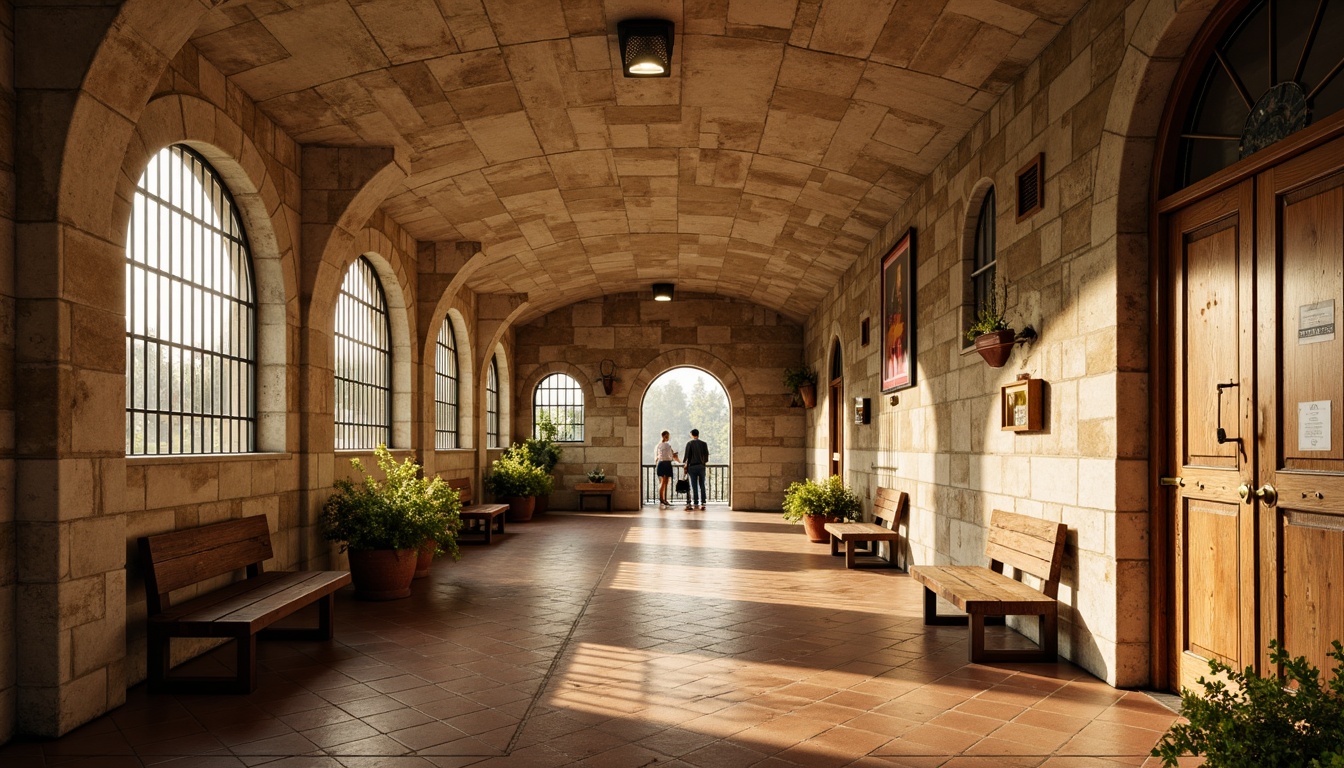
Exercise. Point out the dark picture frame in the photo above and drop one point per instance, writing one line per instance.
(898, 315)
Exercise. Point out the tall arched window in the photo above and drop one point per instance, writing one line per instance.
(445, 388)
(983, 260)
(558, 400)
(492, 404)
(190, 314)
(363, 361)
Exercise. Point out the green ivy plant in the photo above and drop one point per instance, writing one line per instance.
(402, 511)
(829, 498)
(514, 474)
(1243, 720)
(797, 378)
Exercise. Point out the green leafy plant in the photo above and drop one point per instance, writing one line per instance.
(1243, 720)
(543, 451)
(989, 317)
(402, 511)
(597, 475)
(829, 498)
(514, 474)
(797, 378)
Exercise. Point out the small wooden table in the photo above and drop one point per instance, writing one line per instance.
(602, 490)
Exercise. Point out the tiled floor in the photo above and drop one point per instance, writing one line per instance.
(666, 638)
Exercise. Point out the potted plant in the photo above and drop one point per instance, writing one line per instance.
(816, 504)
(1243, 719)
(597, 475)
(383, 525)
(993, 338)
(802, 381)
(516, 481)
(544, 452)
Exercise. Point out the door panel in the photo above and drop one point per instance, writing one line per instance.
(1300, 278)
(1211, 244)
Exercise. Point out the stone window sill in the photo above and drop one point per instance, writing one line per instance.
(203, 458)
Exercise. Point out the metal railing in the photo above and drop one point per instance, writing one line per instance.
(718, 485)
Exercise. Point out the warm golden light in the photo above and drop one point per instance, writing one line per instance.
(646, 68)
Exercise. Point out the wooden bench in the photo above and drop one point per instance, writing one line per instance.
(1029, 545)
(887, 510)
(482, 519)
(599, 490)
(240, 611)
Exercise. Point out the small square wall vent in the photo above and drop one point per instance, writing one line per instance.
(1031, 187)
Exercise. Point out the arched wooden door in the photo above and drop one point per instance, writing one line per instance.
(837, 411)
(1253, 251)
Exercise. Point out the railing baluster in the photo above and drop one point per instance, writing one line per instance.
(717, 484)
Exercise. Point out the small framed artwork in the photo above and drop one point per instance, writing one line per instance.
(898, 315)
(1020, 406)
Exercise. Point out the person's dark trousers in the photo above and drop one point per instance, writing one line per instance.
(697, 476)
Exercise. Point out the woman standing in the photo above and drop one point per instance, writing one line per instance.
(663, 455)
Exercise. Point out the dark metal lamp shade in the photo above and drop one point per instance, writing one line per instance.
(646, 47)
(662, 291)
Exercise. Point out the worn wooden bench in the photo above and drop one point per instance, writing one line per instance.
(597, 490)
(1029, 545)
(480, 519)
(887, 510)
(240, 611)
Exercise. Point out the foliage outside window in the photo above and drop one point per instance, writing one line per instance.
(983, 260)
(446, 389)
(363, 361)
(190, 314)
(558, 402)
(492, 404)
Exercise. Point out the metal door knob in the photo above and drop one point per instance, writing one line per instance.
(1244, 491)
(1267, 494)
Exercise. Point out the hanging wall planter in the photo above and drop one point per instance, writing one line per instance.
(802, 381)
(996, 346)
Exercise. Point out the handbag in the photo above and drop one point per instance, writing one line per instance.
(683, 486)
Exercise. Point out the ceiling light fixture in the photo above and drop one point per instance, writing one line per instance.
(662, 291)
(646, 47)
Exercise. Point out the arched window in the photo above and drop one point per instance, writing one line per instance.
(492, 404)
(558, 400)
(445, 388)
(983, 259)
(190, 314)
(363, 361)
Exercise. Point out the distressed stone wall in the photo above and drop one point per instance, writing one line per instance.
(1077, 273)
(747, 347)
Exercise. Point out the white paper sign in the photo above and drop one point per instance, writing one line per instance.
(1316, 322)
(1313, 426)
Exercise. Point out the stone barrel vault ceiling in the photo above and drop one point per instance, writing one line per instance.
(788, 134)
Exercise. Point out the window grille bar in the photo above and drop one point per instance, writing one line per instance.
(559, 397)
(363, 401)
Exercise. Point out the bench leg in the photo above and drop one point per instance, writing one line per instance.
(247, 664)
(326, 617)
(500, 519)
(849, 554)
(931, 616)
(158, 653)
(488, 526)
(1050, 634)
(835, 546)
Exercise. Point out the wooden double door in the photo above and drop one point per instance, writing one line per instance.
(1256, 291)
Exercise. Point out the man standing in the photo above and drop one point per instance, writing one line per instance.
(695, 457)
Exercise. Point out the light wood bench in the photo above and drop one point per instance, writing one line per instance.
(482, 519)
(1027, 544)
(599, 490)
(240, 611)
(887, 510)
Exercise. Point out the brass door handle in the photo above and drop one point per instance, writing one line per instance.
(1244, 491)
(1267, 494)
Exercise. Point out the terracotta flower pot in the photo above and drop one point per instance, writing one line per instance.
(383, 574)
(543, 504)
(808, 392)
(521, 508)
(996, 346)
(815, 528)
(425, 559)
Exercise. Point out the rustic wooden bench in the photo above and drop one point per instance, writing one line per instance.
(1029, 545)
(240, 611)
(887, 510)
(598, 490)
(477, 519)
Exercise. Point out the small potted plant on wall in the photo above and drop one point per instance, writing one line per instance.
(993, 338)
(802, 381)
(816, 504)
(516, 481)
(383, 525)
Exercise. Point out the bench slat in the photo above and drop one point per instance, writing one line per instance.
(181, 558)
(861, 531)
(973, 588)
(255, 605)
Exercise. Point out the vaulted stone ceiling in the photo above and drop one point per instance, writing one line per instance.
(789, 132)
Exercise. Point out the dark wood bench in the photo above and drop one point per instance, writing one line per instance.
(887, 510)
(482, 520)
(598, 490)
(240, 611)
(1029, 545)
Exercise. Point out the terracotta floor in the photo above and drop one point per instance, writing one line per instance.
(670, 638)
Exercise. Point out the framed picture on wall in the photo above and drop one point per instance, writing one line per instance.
(898, 315)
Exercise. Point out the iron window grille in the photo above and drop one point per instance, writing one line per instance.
(492, 405)
(559, 398)
(190, 314)
(445, 388)
(984, 260)
(363, 361)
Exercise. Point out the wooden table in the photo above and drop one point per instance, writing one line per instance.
(602, 490)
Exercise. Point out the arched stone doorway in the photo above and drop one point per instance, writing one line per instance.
(679, 400)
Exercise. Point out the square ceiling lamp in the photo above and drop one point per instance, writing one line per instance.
(646, 47)
(662, 291)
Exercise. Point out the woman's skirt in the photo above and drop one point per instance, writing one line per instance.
(664, 469)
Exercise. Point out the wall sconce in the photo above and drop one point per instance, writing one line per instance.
(646, 47)
(607, 372)
(663, 291)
